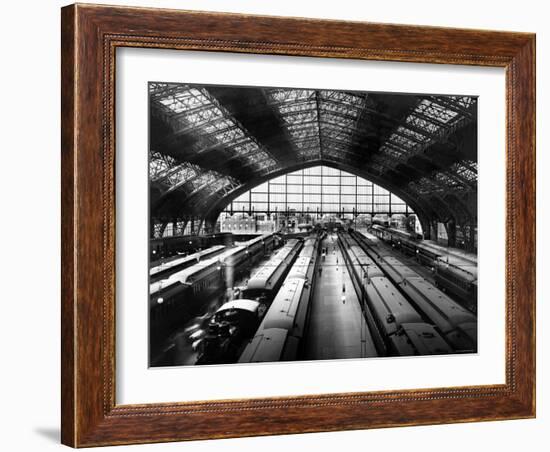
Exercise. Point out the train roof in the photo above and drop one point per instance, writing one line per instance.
(261, 278)
(470, 329)
(437, 304)
(426, 339)
(266, 346)
(183, 260)
(254, 240)
(397, 269)
(283, 309)
(307, 251)
(183, 276)
(388, 300)
(460, 267)
(399, 232)
(300, 267)
(241, 304)
(368, 265)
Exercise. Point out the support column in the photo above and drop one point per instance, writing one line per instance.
(433, 230)
(472, 238)
(209, 226)
(200, 229)
(451, 232)
(175, 226)
(162, 227)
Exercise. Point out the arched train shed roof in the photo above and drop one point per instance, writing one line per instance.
(209, 144)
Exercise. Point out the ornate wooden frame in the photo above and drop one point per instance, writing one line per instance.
(90, 35)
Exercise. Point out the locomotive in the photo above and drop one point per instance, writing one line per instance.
(229, 327)
(181, 296)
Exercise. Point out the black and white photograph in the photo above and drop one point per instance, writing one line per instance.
(303, 224)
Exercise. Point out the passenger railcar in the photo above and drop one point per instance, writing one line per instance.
(457, 325)
(280, 334)
(381, 220)
(459, 281)
(160, 269)
(386, 309)
(456, 254)
(171, 246)
(425, 339)
(249, 254)
(179, 297)
(230, 327)
(266, 281)
(455, 270)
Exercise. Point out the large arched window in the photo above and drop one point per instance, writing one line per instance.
(319, 191)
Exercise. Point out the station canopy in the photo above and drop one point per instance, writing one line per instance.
(211, 144)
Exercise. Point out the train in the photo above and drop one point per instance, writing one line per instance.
(279, 336)
(180, 296)
(455, 271)
(461, 281)
(266, 281)
(227, 334)
(165, 247)
(161, 269)
(457, 324)
(395, 325)
(233, 323)
(398, 220)
(381, 220)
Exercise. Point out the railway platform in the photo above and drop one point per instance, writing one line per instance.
(337, 328)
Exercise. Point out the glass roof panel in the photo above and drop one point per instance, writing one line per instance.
(297, 109)
(431, 119)
(202, 114)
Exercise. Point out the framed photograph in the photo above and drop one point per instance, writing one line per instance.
(280, 225)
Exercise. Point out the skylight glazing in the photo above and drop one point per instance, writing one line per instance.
(197, 112)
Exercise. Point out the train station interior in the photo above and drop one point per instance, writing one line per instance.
(291, 224)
